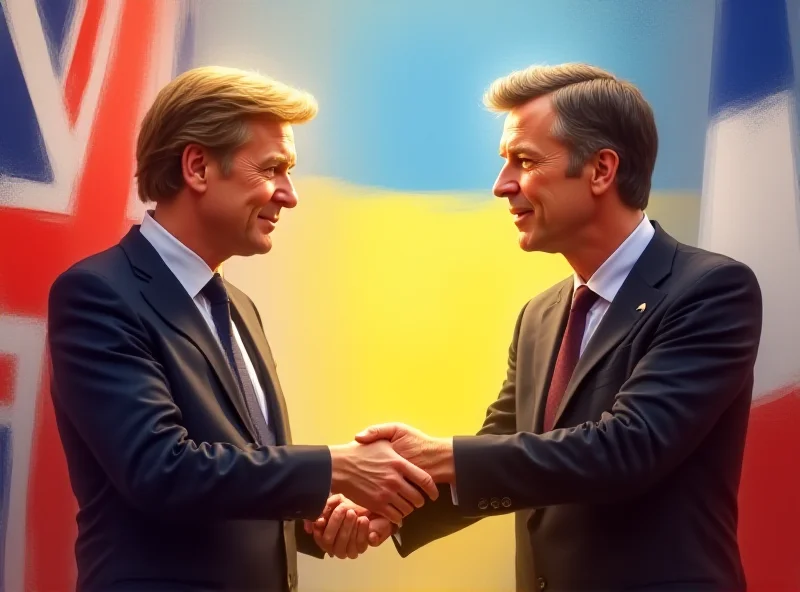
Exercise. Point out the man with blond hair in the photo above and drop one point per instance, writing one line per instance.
(618, 433)
(165, 390)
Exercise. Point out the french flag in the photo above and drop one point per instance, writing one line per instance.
(750, 211)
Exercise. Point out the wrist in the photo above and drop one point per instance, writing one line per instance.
(340, 466)
(442, 468)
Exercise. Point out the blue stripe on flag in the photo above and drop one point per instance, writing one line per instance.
(22, 152)
(752, 53)
(5, 492)
(184, 53)
(56, 16)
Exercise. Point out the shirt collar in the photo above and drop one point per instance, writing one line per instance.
(609, 277)
(192, 272)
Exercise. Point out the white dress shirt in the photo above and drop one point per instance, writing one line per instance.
(607, 281)
(609, 277)
(193, 274)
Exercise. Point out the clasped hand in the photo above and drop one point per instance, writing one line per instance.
(373, 485)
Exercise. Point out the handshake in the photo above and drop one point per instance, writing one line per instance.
(377, 481)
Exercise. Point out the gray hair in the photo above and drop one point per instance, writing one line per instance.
(594, 110)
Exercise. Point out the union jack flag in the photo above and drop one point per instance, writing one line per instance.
(77, 77)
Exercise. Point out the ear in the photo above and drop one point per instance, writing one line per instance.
(604, 173)
(194, 167)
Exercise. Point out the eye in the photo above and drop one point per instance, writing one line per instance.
(526, 163)
(269, 171)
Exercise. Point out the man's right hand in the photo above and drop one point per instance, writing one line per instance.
(376, 477)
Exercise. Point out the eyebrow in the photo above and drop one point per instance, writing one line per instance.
(522, 148)
(278, 159)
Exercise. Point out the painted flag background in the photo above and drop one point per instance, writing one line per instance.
(393, 287)
(76, 76)
(750, 211)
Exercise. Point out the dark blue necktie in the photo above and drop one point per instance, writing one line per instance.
(217, 296)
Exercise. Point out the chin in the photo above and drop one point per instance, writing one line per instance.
(253, 247)
(527, 243)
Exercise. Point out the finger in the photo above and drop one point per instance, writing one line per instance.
(401, 504)
(332, 503)
(380, 529)
(307, 526)
(362, 536)
(391, 513)
(420, 478)
(382, 431)
(331, 530)
(320, 543)
(411, 494)
(343, 537)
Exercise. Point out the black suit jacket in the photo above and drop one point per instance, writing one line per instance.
(173, 493)
(636, 486)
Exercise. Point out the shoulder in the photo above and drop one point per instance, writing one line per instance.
(109, 267)
(700, 268)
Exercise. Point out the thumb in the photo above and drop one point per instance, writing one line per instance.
(384, 431)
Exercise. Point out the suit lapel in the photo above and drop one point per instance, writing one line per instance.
(623, 315)
(165, 294)
(548, 341)
(258, 350)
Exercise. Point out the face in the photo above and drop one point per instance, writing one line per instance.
(548, 207)
(239, 210)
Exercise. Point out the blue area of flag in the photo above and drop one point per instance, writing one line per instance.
(22, 151)
(5, 493)
(184, 54)
(56, 17)
(752, 53)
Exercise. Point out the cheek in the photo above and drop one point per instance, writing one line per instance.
(260, 192)
(532, 186)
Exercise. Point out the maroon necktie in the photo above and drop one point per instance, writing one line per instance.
(569, 352)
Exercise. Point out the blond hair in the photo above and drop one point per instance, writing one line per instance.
(594, 110)
(209, 106)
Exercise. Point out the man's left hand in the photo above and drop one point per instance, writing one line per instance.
(345, 529)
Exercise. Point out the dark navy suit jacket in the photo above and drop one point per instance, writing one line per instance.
(173, 493)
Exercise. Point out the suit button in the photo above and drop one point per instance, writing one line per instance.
(495, 503)
(506, 502)
(482, 504)
(542, 583)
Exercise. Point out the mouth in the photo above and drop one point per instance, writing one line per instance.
(520, 215)
(267, 222)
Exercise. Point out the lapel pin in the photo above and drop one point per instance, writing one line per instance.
(641, 307)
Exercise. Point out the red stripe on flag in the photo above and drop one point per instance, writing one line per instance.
(8, 372)
(769, 497)
(30, 273)
(81, 65)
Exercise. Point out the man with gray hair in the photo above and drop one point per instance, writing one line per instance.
(618, 433)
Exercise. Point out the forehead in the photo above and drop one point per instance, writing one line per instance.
(531, 122)
(271, 138)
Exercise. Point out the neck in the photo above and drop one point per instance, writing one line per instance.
(184, 226)
(599, 241)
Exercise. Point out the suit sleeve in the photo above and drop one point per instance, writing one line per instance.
(114, 392)
(701, 357)
(306, 543)
(437, 519)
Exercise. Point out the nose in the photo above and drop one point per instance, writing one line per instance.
(285, 194)
(505, 186)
